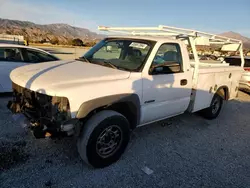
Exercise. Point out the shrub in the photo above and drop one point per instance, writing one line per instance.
(77, 42)
(54, 40)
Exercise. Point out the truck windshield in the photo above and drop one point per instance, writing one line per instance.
(124, 54)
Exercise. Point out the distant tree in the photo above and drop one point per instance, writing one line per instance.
(54, 40)
(77, 42)
(43, 41)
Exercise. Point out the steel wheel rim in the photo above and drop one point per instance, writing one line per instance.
(215, 106)
(109, 141)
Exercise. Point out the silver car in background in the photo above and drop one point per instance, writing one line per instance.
(245, 79)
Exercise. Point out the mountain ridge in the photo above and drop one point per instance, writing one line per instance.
(47, 32)
(234, 35)
(64, 33)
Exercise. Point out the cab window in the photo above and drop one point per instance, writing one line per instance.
(168, 60)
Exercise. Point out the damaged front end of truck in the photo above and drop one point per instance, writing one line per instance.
(46, 116)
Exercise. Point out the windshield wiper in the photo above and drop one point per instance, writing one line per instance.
(117, 67)
(110, 64)
(104, 63)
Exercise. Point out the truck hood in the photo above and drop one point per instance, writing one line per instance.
(52, 77)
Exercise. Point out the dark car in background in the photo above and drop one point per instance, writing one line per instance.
(245, 79)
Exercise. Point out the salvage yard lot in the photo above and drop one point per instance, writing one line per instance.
(186, 151)
(64, 53)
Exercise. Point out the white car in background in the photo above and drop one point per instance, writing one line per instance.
(245, 79)
(13, 56)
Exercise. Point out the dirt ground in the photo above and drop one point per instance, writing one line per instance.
(64, 53)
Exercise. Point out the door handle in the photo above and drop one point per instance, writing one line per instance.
(184, 82)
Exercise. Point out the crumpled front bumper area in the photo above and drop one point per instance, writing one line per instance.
(45, 115)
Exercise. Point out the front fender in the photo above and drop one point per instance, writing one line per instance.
(132, 99)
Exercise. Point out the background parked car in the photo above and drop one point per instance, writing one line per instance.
(245, 79)
(13, 56)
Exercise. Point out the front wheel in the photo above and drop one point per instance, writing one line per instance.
(104, 138)
(213, 111)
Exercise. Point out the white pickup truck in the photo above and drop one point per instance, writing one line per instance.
(104, 95)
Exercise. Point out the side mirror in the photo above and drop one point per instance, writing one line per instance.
(166, 68)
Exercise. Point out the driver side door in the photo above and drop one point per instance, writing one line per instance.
(167, 86)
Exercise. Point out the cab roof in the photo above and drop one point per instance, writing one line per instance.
(20, 46)
(150, 38)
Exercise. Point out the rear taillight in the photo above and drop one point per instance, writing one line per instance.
(247, 69)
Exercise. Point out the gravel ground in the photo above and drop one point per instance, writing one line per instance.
(186, 151)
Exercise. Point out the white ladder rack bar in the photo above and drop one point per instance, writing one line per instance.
(154, 34)
(169, 31)
(182, 34)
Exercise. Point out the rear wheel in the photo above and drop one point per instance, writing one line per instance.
(103, 139)
(213, 111)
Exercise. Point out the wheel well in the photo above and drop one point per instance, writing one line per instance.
(125, 108)
(223, 92)
(128, 110)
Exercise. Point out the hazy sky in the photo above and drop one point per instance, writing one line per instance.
(211, 15)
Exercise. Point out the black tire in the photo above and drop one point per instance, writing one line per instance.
(213, 111)
(103, 123)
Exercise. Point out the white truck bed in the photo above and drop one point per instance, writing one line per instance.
(210, 78)
(214, 66)
(209, 63)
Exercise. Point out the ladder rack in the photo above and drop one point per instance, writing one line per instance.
(192, 37)
(163, 30)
